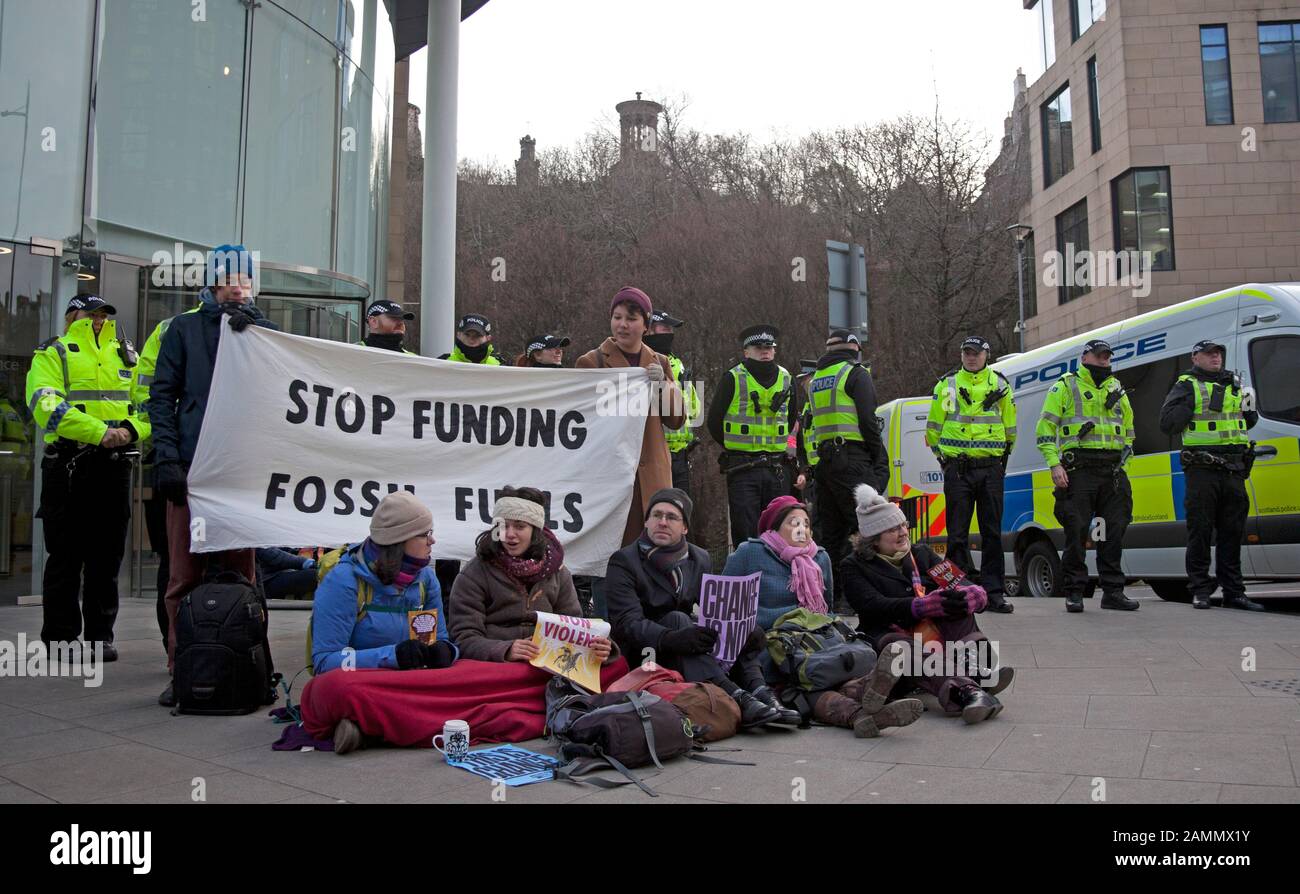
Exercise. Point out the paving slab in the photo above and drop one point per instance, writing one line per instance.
(1191, 713)
(950, 785)
(1083, 681)
(12, 793)
(1258, 794)
(1186, 681)
(104, 772)
(1119, 790)
(222, 787)
(1248, 758)
(66, 743)
(1070, 750)
(777, 778)
(940, 741)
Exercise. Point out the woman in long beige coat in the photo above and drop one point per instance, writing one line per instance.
(629, 320)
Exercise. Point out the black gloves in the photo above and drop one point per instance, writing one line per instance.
(413, 654)
(169, 482)
(954, 604)
(440, 654)
(240, 319)
(689, 640)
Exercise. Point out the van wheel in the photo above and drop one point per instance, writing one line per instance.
(1171, 590)
(1041, 571)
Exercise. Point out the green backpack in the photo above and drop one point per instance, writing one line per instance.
(816, 652)
(365, 596)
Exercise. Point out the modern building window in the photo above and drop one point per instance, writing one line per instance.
(1094, 104)
(1058, 137)
(1045, 27)
(1279, 70)
(1084, 14)
(1273, 363)
(1071, 240)
(1216, 74)
(1144, 219)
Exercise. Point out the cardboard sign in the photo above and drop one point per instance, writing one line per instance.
(565, 647)
(423, 624)
(729, 605)
(946, 574)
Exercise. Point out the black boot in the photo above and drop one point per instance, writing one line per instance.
(1001, 606)
(977, 705)
(754, 712)
(789, 716)
(1242, 603)
(1074, 602)
(1200, 600)
(168, 697)
(1119, 602)
(1006, 674)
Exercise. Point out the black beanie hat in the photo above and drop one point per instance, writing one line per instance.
(676, 497)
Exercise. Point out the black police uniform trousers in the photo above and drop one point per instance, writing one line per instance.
(839, 470)
(1097, 491)
(85, 510)
(977, 487)
(681, 471)
(750, 490)
(1216, 506)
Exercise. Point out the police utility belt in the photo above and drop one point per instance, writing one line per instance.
(832, 446)
(965, 463)
(1107, 460)
(69, 451)
(739, 462)
(1238, 461)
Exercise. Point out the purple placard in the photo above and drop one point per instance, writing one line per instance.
(729, 605)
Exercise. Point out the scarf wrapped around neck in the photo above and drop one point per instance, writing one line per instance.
(667, 560)
(527, 572)
(411, 566)
(806, 581)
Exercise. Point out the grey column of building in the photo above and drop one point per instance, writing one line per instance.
(438, 237)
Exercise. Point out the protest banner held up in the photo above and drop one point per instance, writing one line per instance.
(730, 606)
(565, 645)
(302, 438)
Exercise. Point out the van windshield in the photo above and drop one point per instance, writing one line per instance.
(1273, 364)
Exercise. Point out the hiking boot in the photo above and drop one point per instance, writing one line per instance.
(977, 705)
(754, 712)
(1119, 602)
(347, 736)
(168, 697)
(789, 716)
(1200, 600)
(881, 681)
(1074, 602)
(1242, 603)
(1005, 676)
(900, 713)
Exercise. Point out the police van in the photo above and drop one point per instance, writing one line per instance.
(1259, 324)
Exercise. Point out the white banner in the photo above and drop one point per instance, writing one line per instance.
(303, 438)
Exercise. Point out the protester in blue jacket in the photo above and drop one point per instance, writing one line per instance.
(796, 571)
(389, 575)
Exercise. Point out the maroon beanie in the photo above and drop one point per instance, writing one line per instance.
(632, 295)
(776, 512)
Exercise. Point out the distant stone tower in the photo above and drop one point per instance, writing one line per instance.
(527, 165)
(638, 123)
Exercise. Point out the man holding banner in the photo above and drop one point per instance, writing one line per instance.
(652, 586)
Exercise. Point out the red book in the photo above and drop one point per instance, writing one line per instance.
(946, 574)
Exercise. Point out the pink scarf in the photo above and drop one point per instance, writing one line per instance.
(806, 580)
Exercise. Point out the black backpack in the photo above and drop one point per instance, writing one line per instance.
(223, 660)
(616, 730)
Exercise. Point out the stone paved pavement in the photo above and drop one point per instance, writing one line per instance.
(1156, 703)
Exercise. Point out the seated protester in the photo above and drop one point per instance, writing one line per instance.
(797, 574)
(545, 351)
(652, 586)
(393, 562)
(885, 581)
(285, 574)
(518, 571)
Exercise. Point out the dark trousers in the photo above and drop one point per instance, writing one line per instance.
(85, 510)
(681, 471)
(748, 493)
(1216, 506)
(942, 686)
(288, 584)
(965, 493)
(1100, 493)
(187, 568)
(838, 473)
(746, 672)
(155, 521)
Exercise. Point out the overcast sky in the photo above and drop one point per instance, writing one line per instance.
(556, 68)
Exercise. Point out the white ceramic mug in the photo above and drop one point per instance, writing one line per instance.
(455, 740)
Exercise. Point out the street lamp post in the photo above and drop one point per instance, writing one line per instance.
(1020, 232)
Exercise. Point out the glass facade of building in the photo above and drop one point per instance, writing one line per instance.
(133, 132)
